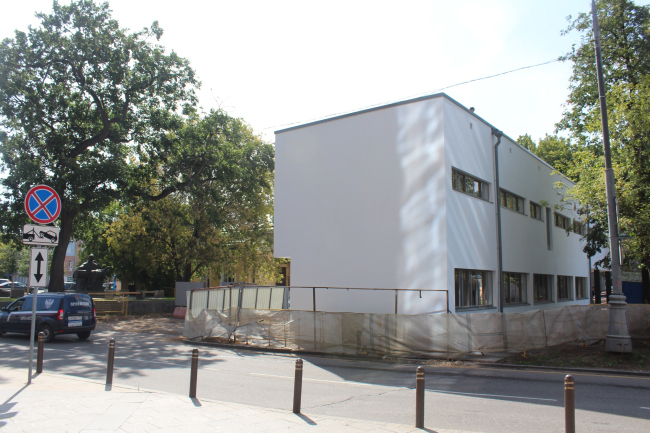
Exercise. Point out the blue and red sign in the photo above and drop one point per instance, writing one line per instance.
(43, 204)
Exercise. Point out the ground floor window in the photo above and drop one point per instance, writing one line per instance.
(543, 288)
(581, 288)
(515, 287)
(473, 288)
(564, 288)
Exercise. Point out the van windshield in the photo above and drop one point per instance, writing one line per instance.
(78, 304)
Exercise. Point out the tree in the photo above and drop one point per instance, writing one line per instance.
(626, 56)
(221, 221)
(84, 106)
(555, 150)
(13, 260)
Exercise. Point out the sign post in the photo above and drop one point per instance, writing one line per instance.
(43, 206)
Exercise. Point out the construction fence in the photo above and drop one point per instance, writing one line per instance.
(239, 316)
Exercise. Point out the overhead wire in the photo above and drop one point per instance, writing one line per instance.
(415, 96)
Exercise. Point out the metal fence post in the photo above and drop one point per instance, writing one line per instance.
(39, 356)
(419, 398)
(569, 405)
(193, 372)
(297, 387)
(111, 362)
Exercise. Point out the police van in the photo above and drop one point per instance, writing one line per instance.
(56, 314)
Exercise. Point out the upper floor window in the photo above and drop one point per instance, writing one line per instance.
(579, 227)
(512, 201)
(536, 211)
(469, 185)
(561, 221)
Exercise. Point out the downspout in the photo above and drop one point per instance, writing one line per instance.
(497, 202)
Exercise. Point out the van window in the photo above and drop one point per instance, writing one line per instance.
(16, 305)
(48, 303)
(78, 304)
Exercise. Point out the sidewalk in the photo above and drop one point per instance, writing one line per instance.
(70, 404)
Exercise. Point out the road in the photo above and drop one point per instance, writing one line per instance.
(472, 399)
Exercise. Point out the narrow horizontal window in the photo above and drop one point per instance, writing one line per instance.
(561, 221)
(470, 185)
(512, 201)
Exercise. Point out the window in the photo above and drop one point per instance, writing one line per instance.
(469, 185)
(549, 232)
(581, 288)
(511, 201)
(473, 288)
(543, 288)
(515, 287)
(70, 265)
(536, 211)
(561, 221)
(564, 288)
(579, 227)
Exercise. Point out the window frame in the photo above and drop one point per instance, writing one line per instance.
(582, 227)
(566, 221)
(564, 283)
(549, 290)
(522, 280)
(486, 300)
(484, 187)
(585, 283)
(504, 195)
(538, 210)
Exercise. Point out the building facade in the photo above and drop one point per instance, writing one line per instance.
(404, 196)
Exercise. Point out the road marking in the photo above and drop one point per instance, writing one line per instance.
(648, 408)
(442, 391)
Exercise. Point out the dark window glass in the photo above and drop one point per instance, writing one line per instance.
(543, 288)
(469, 185)
(473, 288)
(564, 289)
(515, 287)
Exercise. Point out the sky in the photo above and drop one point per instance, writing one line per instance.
(280, 63)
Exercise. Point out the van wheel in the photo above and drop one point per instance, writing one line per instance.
(48, 335)
(83, 335)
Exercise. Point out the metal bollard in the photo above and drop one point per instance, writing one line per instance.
(419, 398)
(111, 362)
(297, 387)
(569, 405)
(39, 356)
(193, 372)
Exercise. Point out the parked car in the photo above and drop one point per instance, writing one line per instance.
(17, 285)
(56, 314)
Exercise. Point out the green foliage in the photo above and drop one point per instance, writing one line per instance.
(555, 150)
(221, 222)
(13, 260)
(625, 34)
(80, 99)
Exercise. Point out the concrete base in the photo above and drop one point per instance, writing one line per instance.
(618, 337)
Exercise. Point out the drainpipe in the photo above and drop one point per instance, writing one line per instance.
(497, 201)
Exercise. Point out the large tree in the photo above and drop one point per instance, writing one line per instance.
(625, 33)
(85, 107)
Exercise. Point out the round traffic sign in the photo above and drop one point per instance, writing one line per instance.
(43, 204)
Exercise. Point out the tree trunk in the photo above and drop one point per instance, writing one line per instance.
(645, 281)
(57, 267)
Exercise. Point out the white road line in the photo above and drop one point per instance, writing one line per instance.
(439, 391)
(647, 408)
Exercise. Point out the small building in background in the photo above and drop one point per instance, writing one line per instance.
(403, 196)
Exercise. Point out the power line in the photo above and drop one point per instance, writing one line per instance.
(418, 95)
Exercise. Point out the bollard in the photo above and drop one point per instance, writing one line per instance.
(569, 405)
(111, 362)
(193, 372)
(297, 387)
(419, 398)
(39, 356)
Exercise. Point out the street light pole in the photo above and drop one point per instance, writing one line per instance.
(618, 337)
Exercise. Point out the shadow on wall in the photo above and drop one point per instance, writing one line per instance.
(420, 150)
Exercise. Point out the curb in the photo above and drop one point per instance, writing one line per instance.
(565, 369)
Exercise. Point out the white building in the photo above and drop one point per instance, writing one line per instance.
(403, 196)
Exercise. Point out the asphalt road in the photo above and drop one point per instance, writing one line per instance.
(473, 399)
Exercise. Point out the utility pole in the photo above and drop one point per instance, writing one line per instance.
(618, 337)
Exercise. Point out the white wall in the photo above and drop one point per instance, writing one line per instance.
(366, 201)
(359, 202)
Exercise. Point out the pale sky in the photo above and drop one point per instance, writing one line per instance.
(278, 63)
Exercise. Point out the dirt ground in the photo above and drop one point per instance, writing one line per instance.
(149, 323)
(580, 355)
